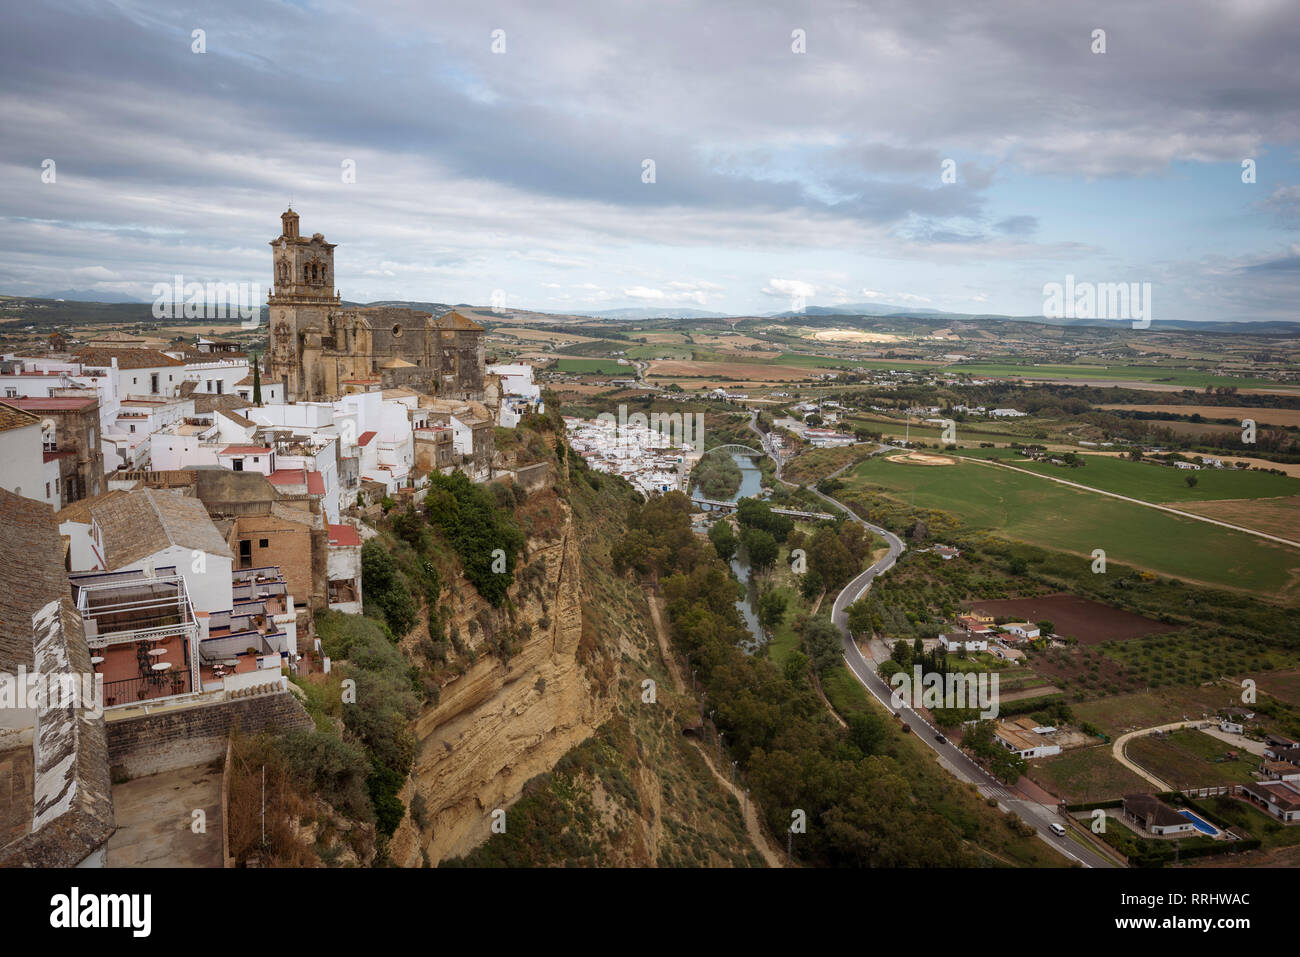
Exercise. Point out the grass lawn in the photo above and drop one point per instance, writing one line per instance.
(1025, 508)
(1085, 774)
(1238, 813)
(1186, 759)
(594, 366)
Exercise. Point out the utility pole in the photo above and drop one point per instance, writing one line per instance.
(733, 773)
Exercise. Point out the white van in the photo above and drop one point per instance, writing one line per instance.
(1057, 829)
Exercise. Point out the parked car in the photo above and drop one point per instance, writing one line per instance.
(940, 738)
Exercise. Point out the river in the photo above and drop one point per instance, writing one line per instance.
(751, 486)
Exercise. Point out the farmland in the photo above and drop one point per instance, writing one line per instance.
(1162, 483)
(1024, 507)
(1189, 759)
(1089, 621)
(594, 367)
(1114, 374)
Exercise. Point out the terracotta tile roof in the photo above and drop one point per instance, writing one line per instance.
(31, 570)
(52, 404)
(315, 483)
(454, 320)
(147, 521)
(126, 358)
(80, 511)
(344, 535)
(288, 477)
(237, 418)
(15, 418)
(366, 437)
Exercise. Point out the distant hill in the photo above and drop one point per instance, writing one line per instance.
(49, 313)
(643, 312)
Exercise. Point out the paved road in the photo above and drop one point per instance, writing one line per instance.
(954, 760)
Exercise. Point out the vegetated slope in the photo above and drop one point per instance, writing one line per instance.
(857, 787)
(551, 672)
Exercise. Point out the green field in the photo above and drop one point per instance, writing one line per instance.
(595, 366)
(1026, 508)
(1154, 374)
(805, 361)
(1157, 483)
(966, 433)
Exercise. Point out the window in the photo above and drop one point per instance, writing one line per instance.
(263, 543)
(153, 383)
(238, 465)
(56, 485)
(47, 489)
(11, 392)
(132, 426)
(257, 458)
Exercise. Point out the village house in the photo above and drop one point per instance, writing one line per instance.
(1151, 814)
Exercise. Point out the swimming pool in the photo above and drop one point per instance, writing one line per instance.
(1205, 827)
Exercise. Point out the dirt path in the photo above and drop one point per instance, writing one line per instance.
(752, 824)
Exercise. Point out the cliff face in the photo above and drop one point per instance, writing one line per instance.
(499, 724)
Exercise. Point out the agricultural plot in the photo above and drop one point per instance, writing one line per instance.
(1113, 375)
(1086, 774)
(1190, 759)
(1024, 507)
(594, 367)
(1088, 621)
(1164, 483)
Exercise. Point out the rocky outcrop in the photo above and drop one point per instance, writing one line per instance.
(501, 723)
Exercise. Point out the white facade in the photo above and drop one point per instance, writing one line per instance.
(22, 468)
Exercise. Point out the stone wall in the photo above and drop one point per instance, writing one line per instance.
(150, 744)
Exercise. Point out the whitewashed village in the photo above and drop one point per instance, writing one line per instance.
(175, 513)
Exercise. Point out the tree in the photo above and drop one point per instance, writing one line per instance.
(902, 653)
(771, 609)
(724, 540)
(762, 549)
(823, 642)
(1191, 481)
(257, 379)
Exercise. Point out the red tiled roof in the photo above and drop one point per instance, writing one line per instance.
(366, 437)
(246, 450)
(344, 535)
(315, 483)
(287, 477)
(51, 456)
(51, 404)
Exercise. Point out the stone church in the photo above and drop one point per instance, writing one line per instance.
(320, 350)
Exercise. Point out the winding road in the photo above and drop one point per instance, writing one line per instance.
(953, 759)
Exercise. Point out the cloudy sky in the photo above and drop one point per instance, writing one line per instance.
(776, 173)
